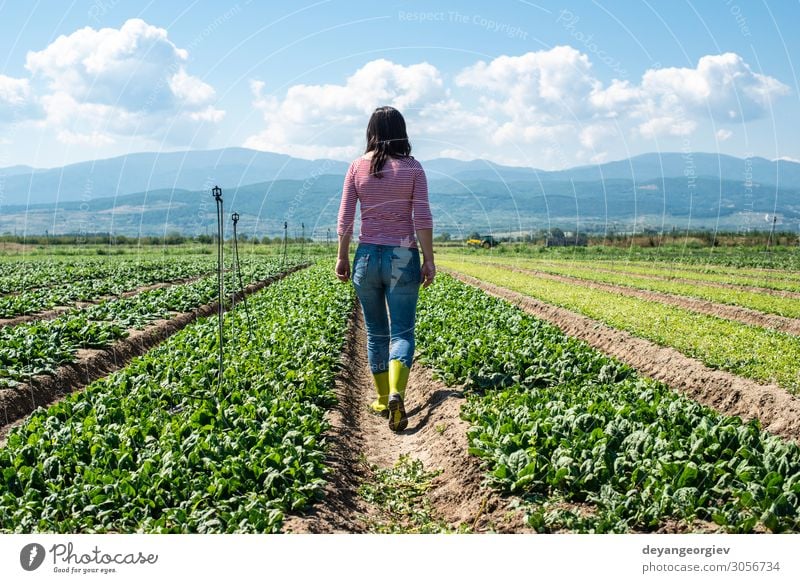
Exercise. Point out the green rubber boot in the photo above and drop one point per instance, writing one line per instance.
(398, 378)
(381, 404)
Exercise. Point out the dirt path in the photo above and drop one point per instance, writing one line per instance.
(729, 312)
(436, 435)
(19, 401)
(776, 409)
(58, 310)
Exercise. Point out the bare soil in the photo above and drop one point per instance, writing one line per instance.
(436, 435)
(47, 315)
(19, 401)
(7, 248)
(776, 409)
(729, 312)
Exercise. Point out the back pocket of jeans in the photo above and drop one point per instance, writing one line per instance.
(360, 263)
(405, 266)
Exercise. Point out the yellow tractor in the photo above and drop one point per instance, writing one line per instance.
(486, 242)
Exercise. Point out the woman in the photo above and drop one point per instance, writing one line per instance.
(393, 192)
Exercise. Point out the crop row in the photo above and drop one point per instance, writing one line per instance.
(39, 347)
(758, 353)
(555, 420)
(27, 274)
(748, 257)
(770, 304)
(93, 286)
(770, 280)
(24, 273)
(741, 275)
(156, 447)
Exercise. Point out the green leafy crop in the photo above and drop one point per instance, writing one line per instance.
(44, 285)
(157, 447)
(555, 419)
(751, 351)
(39, 347)
(653, 279)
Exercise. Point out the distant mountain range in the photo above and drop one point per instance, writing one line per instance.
(143, 172)
(645, 167)
(150, 193)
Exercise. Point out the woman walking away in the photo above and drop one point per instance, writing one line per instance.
(393, 193)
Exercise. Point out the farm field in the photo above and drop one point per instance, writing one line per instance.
(757, 306)
(114, 420)
(779, 287)
(45, 358)
(562, 423)
(159, 447)
(755, 352)
(53, 342)
(712, 273)
(678, 252)
(65, 284)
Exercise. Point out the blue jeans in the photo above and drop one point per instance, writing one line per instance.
(387, 280)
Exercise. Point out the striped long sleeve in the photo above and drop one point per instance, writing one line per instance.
(419, 197)
(392, 207)
(347, 208)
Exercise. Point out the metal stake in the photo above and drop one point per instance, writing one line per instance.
(217, 192)
(238, 267)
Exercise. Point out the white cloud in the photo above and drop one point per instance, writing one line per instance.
(612, 100)
(329, 120)
(128, 67)
(539, 90)
(14, 92)
(724, 135)
(455, 153)
(16, 101)
(599, 158)
(723, 87)
(190, 90)
(86, 123)
(666, 125)
(534, 87)
(545, 108)
(98, 86)
(595, 135)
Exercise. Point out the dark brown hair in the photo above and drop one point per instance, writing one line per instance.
(386, 136)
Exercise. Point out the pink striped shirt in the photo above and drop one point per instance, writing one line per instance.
(392, 207)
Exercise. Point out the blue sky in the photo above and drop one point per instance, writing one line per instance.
(543, 84)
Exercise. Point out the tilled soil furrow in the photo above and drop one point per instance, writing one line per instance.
(436, 435)
(776, 409)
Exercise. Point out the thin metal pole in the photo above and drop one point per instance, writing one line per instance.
(238, 267)
(303, 241)
(217, 192)
(285, 235)
(771, 232)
